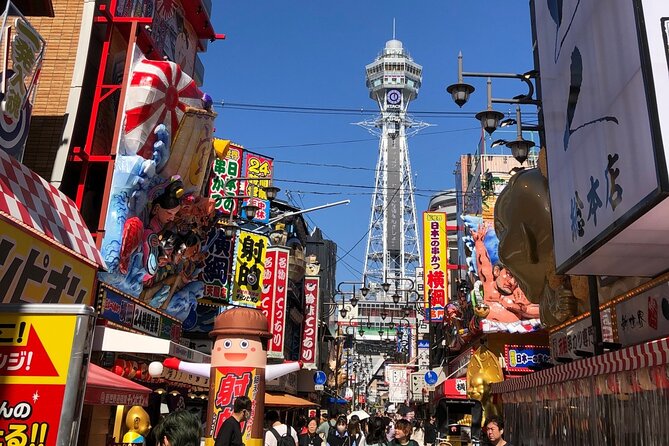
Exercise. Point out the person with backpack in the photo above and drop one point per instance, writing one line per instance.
(339, 435)
(403, 430)
(278, 433)
(327, 425)
(311, 437)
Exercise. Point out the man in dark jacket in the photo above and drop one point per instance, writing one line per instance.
(230, 433)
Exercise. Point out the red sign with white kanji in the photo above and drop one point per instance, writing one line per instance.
(309, 347)
(229, 384)
(278, 324)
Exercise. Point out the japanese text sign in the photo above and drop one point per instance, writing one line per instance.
(218, 267)
(250, 255)
(309, 345)
(221, 185)
(398, 383)
(643, 317)
(521, 358)
(435, 264)
(260, 167)
(229, 384)
(36, 372)
(606, 151)
(34, 271)
(579, 336)
(275, 292)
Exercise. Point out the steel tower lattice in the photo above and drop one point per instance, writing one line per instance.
(393, 248)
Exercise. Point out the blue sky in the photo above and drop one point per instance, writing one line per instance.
(312, 54)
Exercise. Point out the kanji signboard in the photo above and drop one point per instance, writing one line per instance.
(34, 271)
(249, 268)
(435, 268)
(261, 167)
(221, 185)
(218, 267)
(309, 347)
(275, 291)
(40, 369)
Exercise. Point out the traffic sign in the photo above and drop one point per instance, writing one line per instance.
(431, 377)
(320, 378)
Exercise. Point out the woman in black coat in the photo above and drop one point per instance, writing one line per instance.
(311, 438)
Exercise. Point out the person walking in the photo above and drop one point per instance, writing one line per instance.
(311, 438)
(339, 435)
(430, 431)
(494, 430)
(403, 431)
(376, 435)
(230, 433)
(418, 433)
(355, 433)
(327, 425)
(179, 428)
(278, 434)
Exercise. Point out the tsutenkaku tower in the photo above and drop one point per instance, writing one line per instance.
(393, 250)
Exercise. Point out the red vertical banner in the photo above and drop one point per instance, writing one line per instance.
(268, 287)
(278, 323)
(309, 346)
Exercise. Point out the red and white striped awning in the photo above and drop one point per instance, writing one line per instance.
(635, 357)
(32, 202)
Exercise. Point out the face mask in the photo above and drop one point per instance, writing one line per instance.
(341, 429)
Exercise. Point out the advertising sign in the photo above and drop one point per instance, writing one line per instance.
(249, 268)
(579, 336)
(606, 148)
(261, 167)
(404, 341)
(34, 271)
(23, 52)
(393, 210)
(41, 372)
(229, 384)
(223, 170)
(279, 309)
(129, 313)
(423, 354)
(521, 358)
(643, 317)
(435, 273)
(398, 383)
(309, 346)
(218, 267)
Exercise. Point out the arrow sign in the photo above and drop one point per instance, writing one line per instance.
(28, 360)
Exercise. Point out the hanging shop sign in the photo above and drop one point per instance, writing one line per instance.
(122, 310)
(260, 167)
(579, 336)
(249, 268)
(423, 353)
(398, 383)
(643, 317)
(404, 341)
(274, 296)
(42, 351)
(309, 345)
(218, 268)
(435, 258)
(606, 138)
(522, 358)
(23, 53)
(224, 170)
(34, 271)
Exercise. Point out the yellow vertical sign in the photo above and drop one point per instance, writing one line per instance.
(435, 268)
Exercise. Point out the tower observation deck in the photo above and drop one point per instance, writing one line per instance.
(392, 250)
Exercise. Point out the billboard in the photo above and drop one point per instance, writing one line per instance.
(393, 210)
(224, 170)
(41, 372)
(249, 267)
(606, 148)
(435, 268)
(309, 344)
(398, 383)
(274, 296)
(261, 167)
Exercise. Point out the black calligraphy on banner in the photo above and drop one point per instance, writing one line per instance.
(218, 267)
(250, 255)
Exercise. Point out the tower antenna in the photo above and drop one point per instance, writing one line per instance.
(393, 28)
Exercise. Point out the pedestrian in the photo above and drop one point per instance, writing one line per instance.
(339, 435)
(430, 431)
(418, 433)
(230, 433)
(327, 425)
(179, 428)
(403, 431)
(494, 430)
(278, 434)
(390, 429)
(311, 438)
(377, 432)
(355, 434)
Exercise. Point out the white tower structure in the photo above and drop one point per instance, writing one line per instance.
(393, 249)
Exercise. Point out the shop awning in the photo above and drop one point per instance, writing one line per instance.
(644, 355)
(29, 200)
(107, 388)
(112, 340)
(286, 400)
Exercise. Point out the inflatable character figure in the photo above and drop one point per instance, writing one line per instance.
(523, 225)
(238, 368)
(483, 370)
(138, 423)
(501, 293)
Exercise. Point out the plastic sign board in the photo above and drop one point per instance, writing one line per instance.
(309, 344)
(274, 297)
(521, 358)
(435, 268)
(249, 268)
(41, 361)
